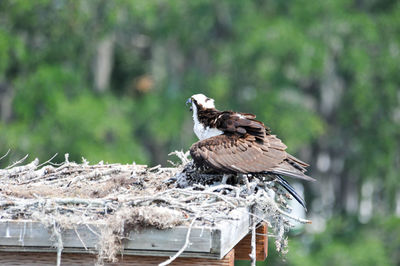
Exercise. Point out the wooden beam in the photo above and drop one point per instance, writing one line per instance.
(243, 248)
(212, 242)
(46, 259)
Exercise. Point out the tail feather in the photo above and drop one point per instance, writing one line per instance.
(297, 160)
(291, 190)
(292, 173)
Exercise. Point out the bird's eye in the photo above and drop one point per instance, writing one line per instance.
(208, 99)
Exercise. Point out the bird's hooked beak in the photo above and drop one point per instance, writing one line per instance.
(189, 101)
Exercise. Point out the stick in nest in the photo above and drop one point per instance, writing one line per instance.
(17, 162)
(59, 244)
(2, 157)
(183, 247)
(253, 245)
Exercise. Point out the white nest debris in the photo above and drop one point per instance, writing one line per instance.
(131, 197)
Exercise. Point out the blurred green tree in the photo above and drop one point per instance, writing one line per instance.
(107, 80)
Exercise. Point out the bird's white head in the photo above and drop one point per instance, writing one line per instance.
(201, 102)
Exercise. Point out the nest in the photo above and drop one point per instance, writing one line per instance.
(131, 197)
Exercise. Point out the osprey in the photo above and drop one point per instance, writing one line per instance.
(237, 143)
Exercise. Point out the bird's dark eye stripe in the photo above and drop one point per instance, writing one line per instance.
(208, 99)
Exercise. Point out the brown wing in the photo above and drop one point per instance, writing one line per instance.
(241, 124)
(235, 154)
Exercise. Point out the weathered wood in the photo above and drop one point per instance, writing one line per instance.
(232, 231)
(39, 259)
(170, 240)
(243, 248)
(205, 242)
(35, 236)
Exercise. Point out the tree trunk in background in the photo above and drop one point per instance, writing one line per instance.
(340, 193)
(6, 97)
(103, 63)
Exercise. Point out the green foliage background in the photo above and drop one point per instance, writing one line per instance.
(324, 75)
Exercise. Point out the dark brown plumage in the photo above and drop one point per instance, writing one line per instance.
(238, 143)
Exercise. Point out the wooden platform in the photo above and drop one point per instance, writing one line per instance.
(71, 259)
(26, 240)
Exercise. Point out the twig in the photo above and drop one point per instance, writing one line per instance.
(79, 201)
(2, 157)
(155, 167)
(59, 244)
(297, 219)
(177, 254)
(253, 241)
(34, 176)
(8, 172)
(49, 160)
(17, 162)
(94, 174)
(80, 239)
(91, 230)
(183, 156)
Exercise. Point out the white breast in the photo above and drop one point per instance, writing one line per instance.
(200, 130)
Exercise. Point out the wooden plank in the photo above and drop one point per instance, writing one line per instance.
(205, 242)
(44, 259)
(32, 234)
(93, 251)
(243, 248)
(232, 231)
(170, 239)
(28, 234)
